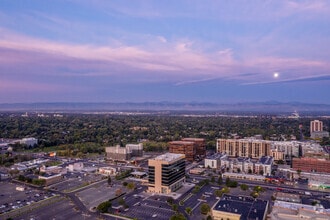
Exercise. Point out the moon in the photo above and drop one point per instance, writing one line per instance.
(276, 75)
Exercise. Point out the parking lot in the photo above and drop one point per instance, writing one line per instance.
(11, 199)
(142, 206)
(76, 180)
(62, 209)
(95, 195)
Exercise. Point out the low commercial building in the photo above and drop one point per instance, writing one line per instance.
(107, 171)
(244, 176)
(51, 178)
(53, 169)
(76, 167)
(319, 184)
(166, 173)
(287, 197)
(30, 142)
(319, 134)
(196, 170)
(295, 211)
(239, 207)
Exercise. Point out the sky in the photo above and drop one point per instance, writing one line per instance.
(151, 51)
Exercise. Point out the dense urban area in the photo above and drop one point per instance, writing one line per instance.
(164, 165)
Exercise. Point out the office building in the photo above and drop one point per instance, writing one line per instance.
(183, 147)
(199, 145)
(309, 164)
(244, 147)
(192, 148)
(136, 149)
(118, 153)
(239, 207)
(166, 173)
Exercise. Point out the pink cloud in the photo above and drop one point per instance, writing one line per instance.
(178, 62)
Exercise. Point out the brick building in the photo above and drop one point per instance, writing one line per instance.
(192, 148)
(308, 164)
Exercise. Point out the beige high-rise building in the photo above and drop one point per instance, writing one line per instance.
(166, 173)
(244, 147)
(315, 126)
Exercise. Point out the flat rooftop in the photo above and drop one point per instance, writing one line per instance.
(182, 142)
(193, 139)
(247, 207)
(169, 157)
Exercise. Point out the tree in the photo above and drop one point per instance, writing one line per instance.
(254, 194)
(130, 186)
(225, 190)
(178, 216)
(227, 181)
(299, 172)
(118, 192)
(218, 193)
(121, 201)
(109, 180)
(170, 200)
(104, 206)
(175, 207)
(258, 189)
(196, 189)
(220, 180)
(189, 210)
(212, 179)
(244, 187)
(205, 208)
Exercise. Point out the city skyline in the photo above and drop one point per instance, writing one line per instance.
(122, 51)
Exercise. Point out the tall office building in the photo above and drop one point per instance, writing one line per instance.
(315, 126)
(166, 173)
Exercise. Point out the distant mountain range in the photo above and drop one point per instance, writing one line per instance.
(270, 106)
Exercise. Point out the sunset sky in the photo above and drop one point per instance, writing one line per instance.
(137, 51)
